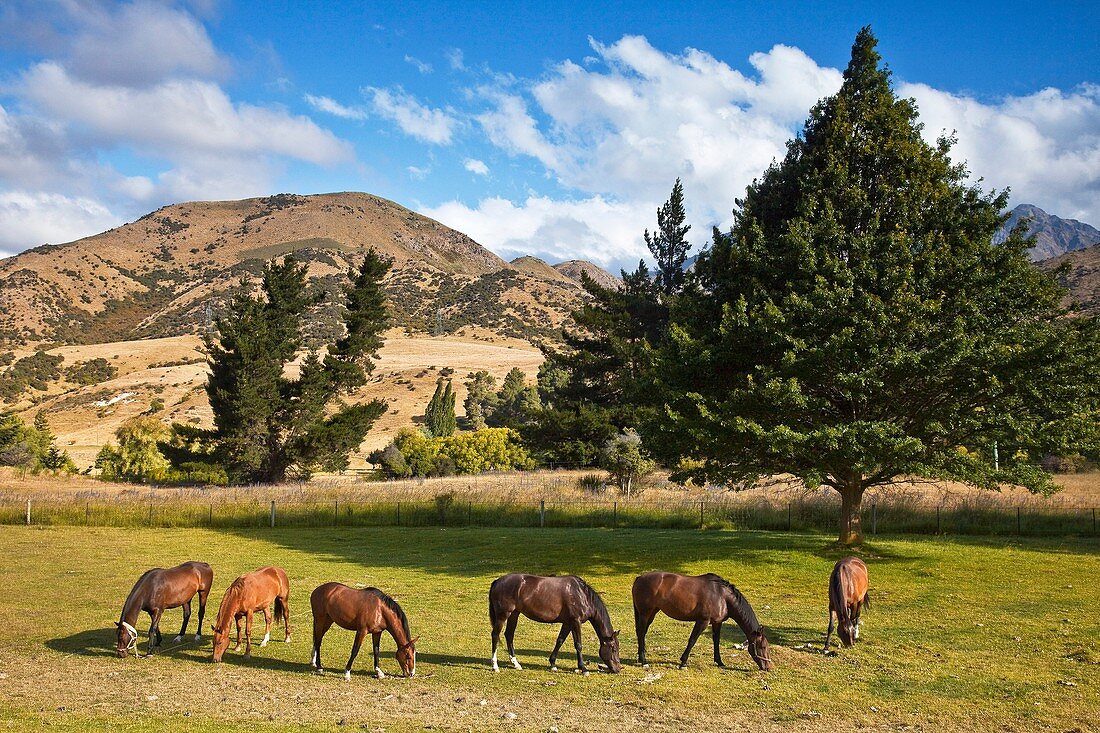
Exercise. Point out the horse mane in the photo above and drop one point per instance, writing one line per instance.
(596, 601)
(396, 608)
(744, 615)
(133, 591)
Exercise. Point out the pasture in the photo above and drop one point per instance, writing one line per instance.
(963, 634)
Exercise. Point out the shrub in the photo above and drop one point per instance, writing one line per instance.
(592, 483)
(625, 460)
(137, 456)
(412, 453)
(90, 372)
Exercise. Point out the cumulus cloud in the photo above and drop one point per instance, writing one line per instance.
(476, 166)
(1045, 146)
(29, 218)
(415, 119)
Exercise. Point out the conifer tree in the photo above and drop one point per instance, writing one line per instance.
(439, 417)
(857, 323)
(668, 244)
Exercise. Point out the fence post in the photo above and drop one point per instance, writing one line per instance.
(542, 512)
(615, 514)
(700, 515)
(874, 517)
(1018, 532)
(87, 513)
(469, 513)
(210, 516)
(398, 514)
(272, 512)
(29, 513)
(150, 512)
(939, 524)
(788, 516)
(1093, 519)
(336, 513)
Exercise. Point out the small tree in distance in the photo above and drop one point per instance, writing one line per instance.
(626, 461)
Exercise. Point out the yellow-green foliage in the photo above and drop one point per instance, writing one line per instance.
(489, 449)
(136, 457)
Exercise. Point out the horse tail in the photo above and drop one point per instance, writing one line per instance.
(837, 599)
(492, 599)
(280, 610)
(866, 598)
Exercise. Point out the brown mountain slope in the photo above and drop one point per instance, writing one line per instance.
(172, 270)
(1082, 276)
(573, 269)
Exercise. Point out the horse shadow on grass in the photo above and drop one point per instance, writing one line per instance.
(101, 643)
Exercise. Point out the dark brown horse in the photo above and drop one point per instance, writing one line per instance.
(847, 597)
(157, 590)
(252, 592)
(567, 600)
(361, 611)
(704, 599)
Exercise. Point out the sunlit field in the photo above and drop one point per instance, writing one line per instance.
(962, 634)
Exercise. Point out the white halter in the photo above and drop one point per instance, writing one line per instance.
(132, 645)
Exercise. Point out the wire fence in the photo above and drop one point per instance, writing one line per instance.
(813, 513)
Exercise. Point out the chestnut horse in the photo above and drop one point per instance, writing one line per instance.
(156, 590)
(567, 600)
(361, 611)
(704, 599)
(847, 597)
(255, 591)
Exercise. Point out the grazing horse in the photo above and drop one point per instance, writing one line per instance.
(567, 600)
(157, 590)
(847, 597)
(255, 591)
(361, 611)
(704, 599)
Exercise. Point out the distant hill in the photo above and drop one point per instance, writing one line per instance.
(1054, 235)
(574, 269)
(1082, 276)
(171, 271)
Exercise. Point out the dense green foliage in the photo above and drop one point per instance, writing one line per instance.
(31, 372)
(857, 324)
(439, 417)
(92, 371)
(268, 424)
(137, 456)
(624, 458)
(31, 447)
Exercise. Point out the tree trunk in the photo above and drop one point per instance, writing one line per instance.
(851, 498)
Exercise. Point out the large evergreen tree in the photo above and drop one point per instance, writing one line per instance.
(857, 324)
(669, 245)
(439, 417)
(267, 423)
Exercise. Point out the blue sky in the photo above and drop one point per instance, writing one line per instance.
(553, 129)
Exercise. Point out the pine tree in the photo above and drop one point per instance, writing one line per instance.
(439, 417)
(668, 244)
(481, 398)
(267, 424)
(857, 323)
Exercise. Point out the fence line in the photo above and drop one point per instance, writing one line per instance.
(878, 517)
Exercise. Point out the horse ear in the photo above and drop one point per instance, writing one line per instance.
(415, 640)
(213, 628)
(118, 624)
(614, 634)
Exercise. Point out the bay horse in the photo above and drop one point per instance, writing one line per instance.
(361, 610)
(252, 592)
(847, 597)
(159, 589)
(567, 600)
(704, 599)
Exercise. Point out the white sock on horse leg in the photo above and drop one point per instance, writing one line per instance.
(515, 662)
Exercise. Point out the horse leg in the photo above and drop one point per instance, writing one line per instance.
(237, 618)
(829, 633)
(510, 637)
(267, 628)
(498, 624)
(642, 622)
(359, 634)
(186, 618)
(856, 621)
(695, 631)
(154, 628)
(577, 645)
(248, 635)
(716, 632)
(321, 625)
(376, 639)
(557, 645)
(202, 613)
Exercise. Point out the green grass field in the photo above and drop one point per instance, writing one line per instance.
(962, 635)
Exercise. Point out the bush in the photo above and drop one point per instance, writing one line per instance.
(592, 483)
(625, 460)
(412, 453)
(89, 372)
(137, 456)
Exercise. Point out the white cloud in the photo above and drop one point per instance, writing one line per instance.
(177, 117)
(1045, 146)
(594, 228)
(28, 219)
(415, 119)
(455, 59)
(422, 66)
(332, 107)
(476, 166)
(417, 173)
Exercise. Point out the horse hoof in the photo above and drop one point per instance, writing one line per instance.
(582, 672)
(177, 640)
(683, 665)
(198, 637)
(554, 668)
(496, 668)
(347, 675)
(379, 674)
(645, 665)
(248, 655)
(286, 640)
(515, 663)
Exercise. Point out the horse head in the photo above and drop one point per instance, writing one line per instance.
(609, 652)
(221, 641)
(757, 645)
(846, 630)
(406, 657)
(127, 639)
